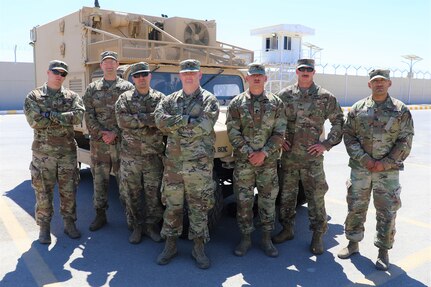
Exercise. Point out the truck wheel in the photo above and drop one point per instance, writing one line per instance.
(214, 214)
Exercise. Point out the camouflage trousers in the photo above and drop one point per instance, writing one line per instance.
(265, 178)
(104, 157)
(190, 182)
(46, 171)
(386, 196)
(315, 187)
(141, 178)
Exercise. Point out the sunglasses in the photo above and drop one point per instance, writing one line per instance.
(143, 75)
(57, 72)
(305, 69)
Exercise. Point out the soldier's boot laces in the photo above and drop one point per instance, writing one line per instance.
(198, 253)
(267, 245)
(316, 246)
(169, 252)
(153, 231)
(70, 229)
(245, 244)
(349, 250)
(45, 234)
(287, 233)
(136, 235)
(99, 221)
(382, 262)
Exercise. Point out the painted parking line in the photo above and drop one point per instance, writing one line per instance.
(404, 265)
(34, 261)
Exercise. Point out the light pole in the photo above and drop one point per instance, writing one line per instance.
(413, 60)
(313, 49)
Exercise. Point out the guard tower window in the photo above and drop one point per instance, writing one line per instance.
(267, 44)
(287, 43)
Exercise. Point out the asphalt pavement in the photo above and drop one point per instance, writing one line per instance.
(106, 258)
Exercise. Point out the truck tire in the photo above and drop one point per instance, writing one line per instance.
(214, 214)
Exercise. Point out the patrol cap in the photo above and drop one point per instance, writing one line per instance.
(140, 67)
(379, 73)
(190, 65)
(256, 69)
(58, 65)
(108, 55)
(305, 63)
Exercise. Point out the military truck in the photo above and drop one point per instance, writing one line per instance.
(79, 38)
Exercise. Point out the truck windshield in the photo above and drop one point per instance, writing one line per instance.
(224, 87)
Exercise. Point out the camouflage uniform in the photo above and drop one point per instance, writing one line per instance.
(99, 100)
(256, 123)
(382, 132)
(188, 121)
(306, 113)
(54, 149)
(142, 146)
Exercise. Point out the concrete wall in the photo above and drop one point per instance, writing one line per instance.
(348, 88)
(16, 80)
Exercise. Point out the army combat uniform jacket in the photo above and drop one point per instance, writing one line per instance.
(306, 114)
(256, 124)
(99, 100)
(54, 134)
(188, 121)
(135, 117)
(381, 132)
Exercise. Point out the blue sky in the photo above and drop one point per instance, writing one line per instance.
(366, 32)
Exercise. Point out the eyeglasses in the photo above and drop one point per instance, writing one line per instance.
(57, 72)
(143, 74)
(306, 69)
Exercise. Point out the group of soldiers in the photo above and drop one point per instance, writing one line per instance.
(161, 150)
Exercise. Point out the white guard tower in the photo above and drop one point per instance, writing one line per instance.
(281, 48)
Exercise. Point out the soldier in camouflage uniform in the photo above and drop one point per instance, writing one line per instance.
(105, 135)
(141, 151)
(308, 106)
(52, 110)
(378, 135)
(188, 117)
(256, 124)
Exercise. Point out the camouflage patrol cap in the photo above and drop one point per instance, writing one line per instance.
(140, 67)
(108, 55)
(256, 69)
(58, 65)
(379, 73)
(190, 65)
(305, 63)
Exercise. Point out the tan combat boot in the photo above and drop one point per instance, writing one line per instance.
(70, 229)
(349, 250)
(169, 252)
(316, 246)
(245, 244)
(136, 235)
(99, 221)
(267, 246)
(382, 262)
(287, 233)
(153, 231)
(44, 233)
(198, 253)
